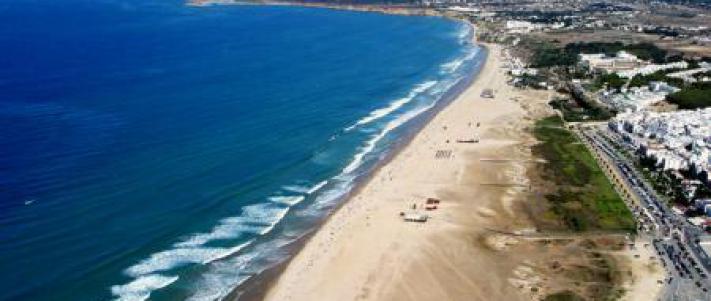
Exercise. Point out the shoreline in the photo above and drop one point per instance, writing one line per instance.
(365, 251)
(297, 262)
(256, 287)
(362, 250)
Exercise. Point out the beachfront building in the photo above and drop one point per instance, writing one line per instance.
(625, 64)
(678, 140)
(637, 98)
(517, 26)
(599, 62)
(652, 68)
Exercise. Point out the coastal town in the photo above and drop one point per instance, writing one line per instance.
(627, 150)
(364, 150)
(611, 202)
(637, 91)
(632, 81)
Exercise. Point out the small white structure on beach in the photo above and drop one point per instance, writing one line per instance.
(487, 93)
(414, 216)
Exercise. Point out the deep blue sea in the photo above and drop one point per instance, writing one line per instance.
(151, 150)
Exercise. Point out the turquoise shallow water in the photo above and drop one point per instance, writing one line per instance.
(153, 150)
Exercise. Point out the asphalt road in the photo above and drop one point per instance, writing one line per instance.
(674, 239)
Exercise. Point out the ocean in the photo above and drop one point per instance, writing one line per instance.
(152, 150)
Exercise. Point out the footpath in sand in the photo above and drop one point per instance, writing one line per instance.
(365, 251)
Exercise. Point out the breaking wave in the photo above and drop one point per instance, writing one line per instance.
(140, 288)
(393, 106)
(454, 65)
(305, 189)
(170, 259)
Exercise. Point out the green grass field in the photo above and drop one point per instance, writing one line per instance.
(584, 198)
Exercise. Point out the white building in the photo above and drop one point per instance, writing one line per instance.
(678, 140)
(688, 75)
(622, 61)
(515, 26)
(637, 98)
(652, 68)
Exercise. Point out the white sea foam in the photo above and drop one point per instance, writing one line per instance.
(316, 187)
(173, 258)
(296, 188)
(369, 146)
(288, 200)
(255, 219)
(393, 106)
(140, 289)
(222, 277)
(305, 189)
(455, 64)
(328, 197)
(216, 285)
(372, 142)
(464, 33)
(264, 213)
(228, 228)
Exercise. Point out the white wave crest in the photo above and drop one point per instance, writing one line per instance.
(222, 277)
(173, 258)
(316, 187)
(296, 188)
(305, 189)
(140, 288)
(287, 200)
(464, 33)
(454, 65)
(266, 214)
(257, 219)
(328, 197)
(228, 228)
(393, 106)
(250, 221)
(370, 144)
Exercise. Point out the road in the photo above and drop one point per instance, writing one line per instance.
(674, 239)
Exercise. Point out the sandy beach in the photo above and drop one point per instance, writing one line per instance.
(366, 252)
(469, 249)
